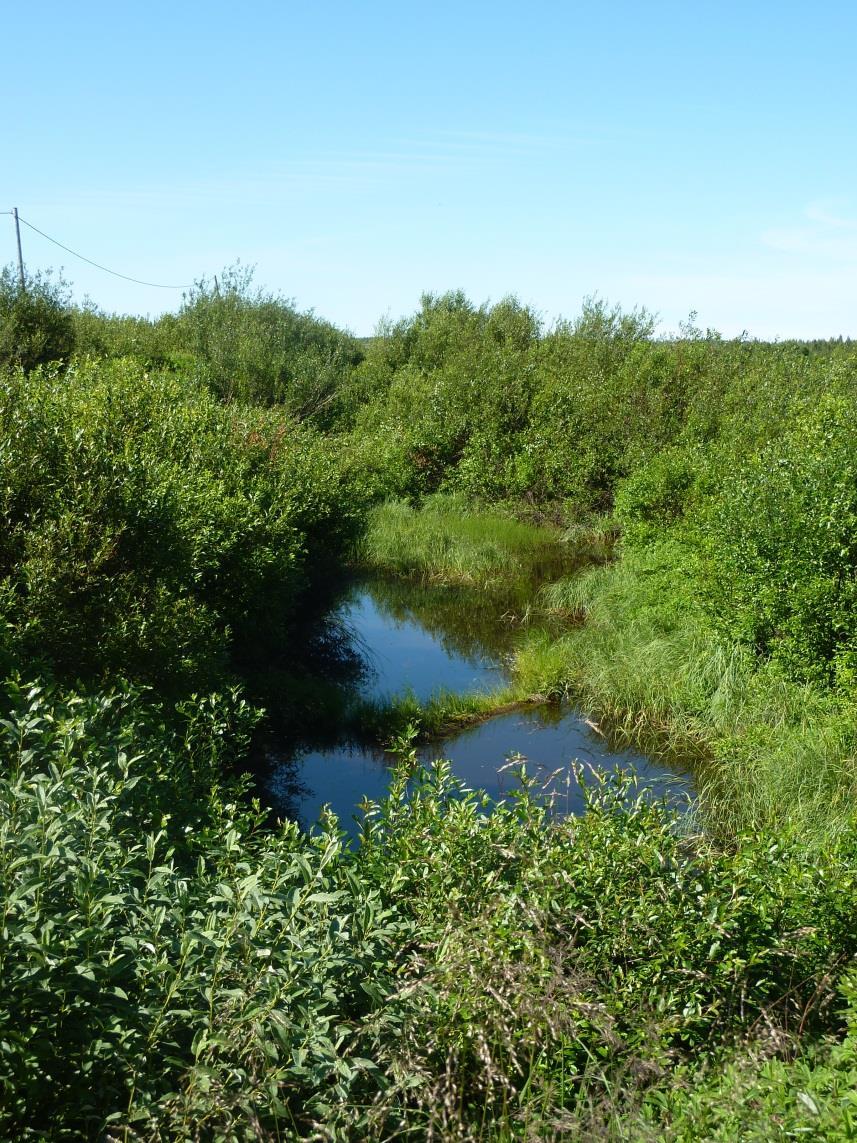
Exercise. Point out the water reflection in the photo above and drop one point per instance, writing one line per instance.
(425, 639)
(548, 741)
(408, 645)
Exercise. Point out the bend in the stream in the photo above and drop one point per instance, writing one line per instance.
(424, 639)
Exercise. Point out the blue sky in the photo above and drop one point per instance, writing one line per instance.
(695, 156)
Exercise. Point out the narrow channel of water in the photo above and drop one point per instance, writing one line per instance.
(429, 639)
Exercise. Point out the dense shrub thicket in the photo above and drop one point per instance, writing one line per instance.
(255, 347)
(489, 402)
(743, 451)
(175, 498)
(149, 531)
(783, 535)
(171, 969)
(244, 343)
(168, 968)
(36, 323)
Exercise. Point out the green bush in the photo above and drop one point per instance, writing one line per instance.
(783, 540)
(583, 962)
(154, 342)
(655, 497)
(35, 323)
(488, 402)
(168, 968)
(449, 387)
(255, 347)
(171, 969)
(148, 531)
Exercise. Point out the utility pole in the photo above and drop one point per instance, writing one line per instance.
(21, 278)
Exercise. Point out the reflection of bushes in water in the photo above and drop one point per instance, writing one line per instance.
(473, 623)
(380, 721)
(468, 577)
(476, 624)
(308, 701)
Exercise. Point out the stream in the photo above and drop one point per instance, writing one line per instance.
(427, 639)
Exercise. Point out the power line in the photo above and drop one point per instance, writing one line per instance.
(97, 265)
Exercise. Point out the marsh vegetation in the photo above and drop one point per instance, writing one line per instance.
(659, 531)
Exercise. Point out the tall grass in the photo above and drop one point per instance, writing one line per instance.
(444, 542)
(383, 720)
(767, 751)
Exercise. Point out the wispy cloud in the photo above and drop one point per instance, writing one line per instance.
(827, 233)
(362, 166)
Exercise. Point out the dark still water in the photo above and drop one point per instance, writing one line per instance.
(405, 654)
(429, 639)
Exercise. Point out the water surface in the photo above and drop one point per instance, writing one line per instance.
(403, 653)
(426, 639)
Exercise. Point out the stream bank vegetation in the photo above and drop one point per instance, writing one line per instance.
(179, 501)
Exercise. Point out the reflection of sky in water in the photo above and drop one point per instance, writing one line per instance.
(343, 777)
(404, 655)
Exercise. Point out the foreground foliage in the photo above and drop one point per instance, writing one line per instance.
(170, 969)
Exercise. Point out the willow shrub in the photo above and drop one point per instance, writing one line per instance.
(566, 965)
(146, 530)
(782, 536)
(153, 341)
(256, 348)
(169, 969)
(486, 401)
(35, 322)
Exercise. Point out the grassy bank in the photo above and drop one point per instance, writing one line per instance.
(769, 752)
(445, 542)
(638, 650)
(383, 720)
